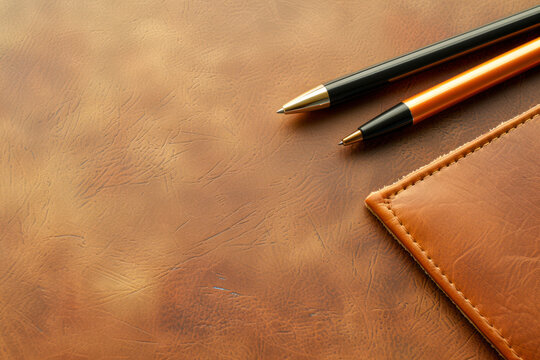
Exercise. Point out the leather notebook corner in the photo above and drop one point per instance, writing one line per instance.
(470, 220)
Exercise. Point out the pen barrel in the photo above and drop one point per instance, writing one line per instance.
(392, 119)
(474, 81)
(352, 85)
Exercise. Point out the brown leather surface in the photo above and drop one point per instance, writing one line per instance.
(155, 206)
(470, 219)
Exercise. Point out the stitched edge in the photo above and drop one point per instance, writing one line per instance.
(461, 157)
(387, 201)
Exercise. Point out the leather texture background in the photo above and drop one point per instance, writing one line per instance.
(470, 219)
(154, 206)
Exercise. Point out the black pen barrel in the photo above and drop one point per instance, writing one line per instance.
(352, 85)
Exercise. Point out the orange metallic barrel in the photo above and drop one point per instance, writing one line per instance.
(474, 80)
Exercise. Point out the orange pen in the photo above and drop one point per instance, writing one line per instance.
(460, 87)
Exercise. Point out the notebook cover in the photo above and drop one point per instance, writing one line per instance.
(471, 219)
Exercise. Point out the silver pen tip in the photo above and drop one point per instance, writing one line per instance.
(281, 111)
(340, 143)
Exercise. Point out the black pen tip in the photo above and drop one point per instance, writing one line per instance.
(281, 111)
(340, 143)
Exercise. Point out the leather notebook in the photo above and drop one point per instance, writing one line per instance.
(471, 219)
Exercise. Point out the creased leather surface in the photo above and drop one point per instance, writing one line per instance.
(153, 205)
(471, 219)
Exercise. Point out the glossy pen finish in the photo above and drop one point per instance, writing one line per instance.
(474, 81)
(352, 85)
(450, 92)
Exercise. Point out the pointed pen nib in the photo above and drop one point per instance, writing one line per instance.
(351, 139)
(281, 111)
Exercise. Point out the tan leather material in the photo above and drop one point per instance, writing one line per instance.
(154, 206)
(470, 219)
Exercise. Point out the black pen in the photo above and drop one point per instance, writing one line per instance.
(450, 92)
(349, 86)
